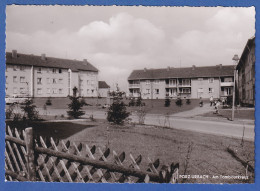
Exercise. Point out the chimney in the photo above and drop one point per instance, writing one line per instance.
(43, 57)
(193, 67)
(14, 53)
(168, 68)
(85, 61)
(220, 66)
(145, 69)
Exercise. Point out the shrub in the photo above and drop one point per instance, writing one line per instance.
(179, 102)
(117, 112)
(188, 101)
(167, 102)
(9, 112)
(139, 101)
(48, 101)
(29, 110)
(141, 113)
(75, 105)
(132, 102)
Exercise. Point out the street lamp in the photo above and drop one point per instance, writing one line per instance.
(236, 59)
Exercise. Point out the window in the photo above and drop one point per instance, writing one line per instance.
(186, 90)
(60, 81)
(22, 68)
(92, 91)
(147, 82)
(211, 80)
(156, 81)
(60, 91)
(148, 91)
(172, 82)
(22, 90)
(54, 70)
(48, 80)
(211, 90)
(15, 90)
(15, 68)
(39, 80)
(54, 91)
(39, 70)
(15, 79)
(200, 90)
(60, 71)
(228, 79)
(88, 82)
(54, 81)
(48, 90)
(157, 91)
(22, 79)
(39, 91)
(92, 82)
(186, 82)
(87, 91)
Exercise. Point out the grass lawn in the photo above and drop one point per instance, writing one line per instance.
(239, 114)
(209, 154)
(152, 106)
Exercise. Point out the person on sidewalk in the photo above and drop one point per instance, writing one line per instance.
(201, 102)
(211, 100)
(217, 106)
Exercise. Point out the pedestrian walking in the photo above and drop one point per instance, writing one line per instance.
(201, 102)
(217, 106)
(211, 100)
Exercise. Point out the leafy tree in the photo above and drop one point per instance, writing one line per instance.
(117, 112)
(167, 102)
(29, 110)
(75, 105)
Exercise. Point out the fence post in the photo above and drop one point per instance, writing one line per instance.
(30, 154)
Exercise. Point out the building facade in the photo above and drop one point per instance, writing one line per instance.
(103, 89)
(191, 82)
(41, 76)
(246, 74)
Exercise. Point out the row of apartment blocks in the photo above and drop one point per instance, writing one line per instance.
(190, 82)
(41, 76)
(199, 82)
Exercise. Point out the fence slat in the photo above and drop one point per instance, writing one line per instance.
(84, 167)
(61, 161)
(107, 174)
(17, 151)
(13, 156)
(52, 161)
(99, 172)
(9, 161)
(22, 147)
(74, 164)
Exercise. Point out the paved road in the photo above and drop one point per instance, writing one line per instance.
(224, 127)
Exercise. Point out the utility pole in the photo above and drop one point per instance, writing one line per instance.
(236, 59)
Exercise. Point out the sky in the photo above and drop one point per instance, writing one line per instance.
(119, 39)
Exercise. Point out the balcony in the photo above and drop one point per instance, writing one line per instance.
(134, 85)
(184, 85)
(225, 84)
(171, 86)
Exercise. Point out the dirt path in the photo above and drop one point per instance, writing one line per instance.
(194, 112)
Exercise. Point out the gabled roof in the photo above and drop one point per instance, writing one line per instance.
(32, 60)
(189, 72)
(250, 43)
(103, 84)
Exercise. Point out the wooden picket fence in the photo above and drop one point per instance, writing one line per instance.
(33, 158)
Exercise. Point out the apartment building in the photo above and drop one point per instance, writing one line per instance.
(246, 74)
(191, 82)
(41, 76)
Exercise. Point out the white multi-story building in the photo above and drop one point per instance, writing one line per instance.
(191, 82)
(41, 76)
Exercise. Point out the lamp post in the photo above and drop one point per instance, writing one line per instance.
(236, 59)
